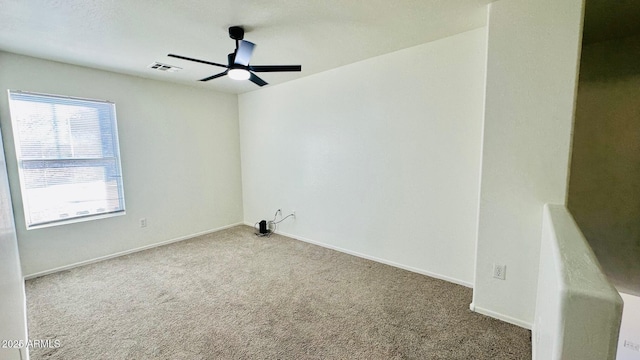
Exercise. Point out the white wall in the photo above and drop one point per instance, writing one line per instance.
(629, 341)
(379, 158)
(180, 161)
(578, 311)
(533, 49)
(13, 320)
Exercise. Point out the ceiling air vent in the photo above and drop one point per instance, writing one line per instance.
(164, 67)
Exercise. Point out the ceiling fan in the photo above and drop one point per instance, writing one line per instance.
(238, 67)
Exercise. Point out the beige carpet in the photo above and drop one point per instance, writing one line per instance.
(232, 295)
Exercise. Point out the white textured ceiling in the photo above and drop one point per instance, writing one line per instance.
(126, 36)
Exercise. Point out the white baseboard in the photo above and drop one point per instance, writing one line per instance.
(126, 252)
(376, 259)
(24, 353)
(535, 339)
(505, 318)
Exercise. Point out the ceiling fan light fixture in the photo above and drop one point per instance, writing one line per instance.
(239, 74)
(238, 67)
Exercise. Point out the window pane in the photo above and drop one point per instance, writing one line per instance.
(68, 157)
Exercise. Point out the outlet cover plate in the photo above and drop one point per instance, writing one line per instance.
(500, 271)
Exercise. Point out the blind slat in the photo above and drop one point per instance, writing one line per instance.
(68, 157)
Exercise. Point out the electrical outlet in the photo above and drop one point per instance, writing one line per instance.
(499, 271)
(143, 222)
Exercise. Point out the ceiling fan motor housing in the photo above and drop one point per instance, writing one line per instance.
(236, 33)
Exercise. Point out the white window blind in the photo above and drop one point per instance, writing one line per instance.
(68, 158)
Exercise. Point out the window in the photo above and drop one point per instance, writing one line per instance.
(68, 158)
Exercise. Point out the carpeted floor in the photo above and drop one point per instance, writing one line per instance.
(232, 295)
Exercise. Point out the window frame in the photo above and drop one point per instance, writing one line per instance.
(98, 162)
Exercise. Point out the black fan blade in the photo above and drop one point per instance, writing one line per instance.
(215, 76)
(196, 60)
(275, 68)
(243, 54)
(256, 80)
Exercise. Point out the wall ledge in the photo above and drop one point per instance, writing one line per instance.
(578, 311)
